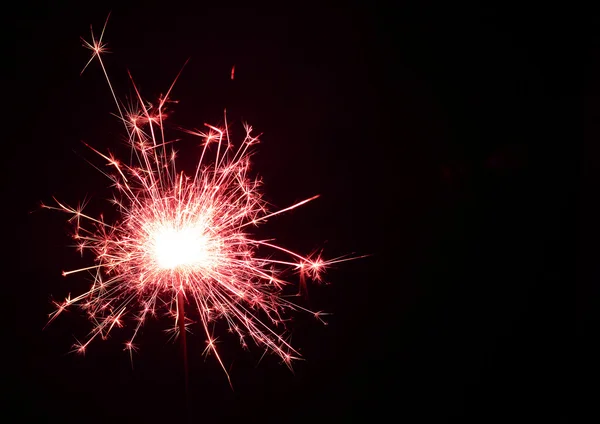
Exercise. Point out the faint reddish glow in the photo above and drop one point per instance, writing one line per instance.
(232, 72)
(189, 234)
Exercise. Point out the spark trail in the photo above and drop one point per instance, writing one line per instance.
(185, 239)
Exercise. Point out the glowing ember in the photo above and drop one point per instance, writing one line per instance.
(186, 247)
(182, 235)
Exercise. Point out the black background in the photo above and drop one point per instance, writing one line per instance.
(430, 132)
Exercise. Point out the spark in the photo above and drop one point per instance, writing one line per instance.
(182, 235)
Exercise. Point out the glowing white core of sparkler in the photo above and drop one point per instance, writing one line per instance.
(180, 247)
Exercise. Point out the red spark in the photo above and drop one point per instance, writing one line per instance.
(190, 235)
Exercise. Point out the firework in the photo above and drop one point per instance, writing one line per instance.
(185, 239)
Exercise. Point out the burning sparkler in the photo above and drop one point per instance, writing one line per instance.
(185, 239)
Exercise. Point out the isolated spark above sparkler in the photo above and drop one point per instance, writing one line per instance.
(185, 237)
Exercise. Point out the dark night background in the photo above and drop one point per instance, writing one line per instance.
(429, 131)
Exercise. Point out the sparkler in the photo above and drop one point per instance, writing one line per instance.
(185, 239)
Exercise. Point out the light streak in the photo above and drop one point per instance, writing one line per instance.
(186, 238)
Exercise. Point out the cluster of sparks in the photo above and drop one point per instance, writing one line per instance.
(182, 236)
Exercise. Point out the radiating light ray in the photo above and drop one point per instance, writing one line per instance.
(187, 237)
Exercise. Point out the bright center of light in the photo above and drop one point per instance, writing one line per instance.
(180, 247)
